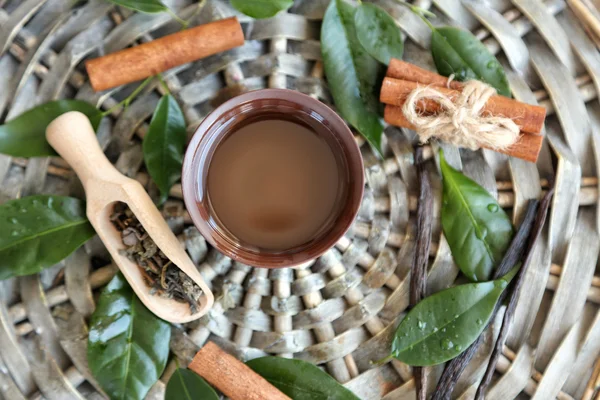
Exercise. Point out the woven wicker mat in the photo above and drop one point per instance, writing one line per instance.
(339, 312)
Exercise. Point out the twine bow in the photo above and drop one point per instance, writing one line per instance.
(460, 122)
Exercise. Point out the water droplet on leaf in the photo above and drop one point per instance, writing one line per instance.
(421, 324)
(447, 344)
(481, 234)
(492, 207)
(479, 321)
(12, 220)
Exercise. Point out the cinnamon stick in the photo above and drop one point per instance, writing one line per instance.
(148, 59)
(527, 147)
(231, 376)
(529, 118)
(409, 72)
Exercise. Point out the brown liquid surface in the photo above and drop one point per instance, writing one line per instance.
(274, 184)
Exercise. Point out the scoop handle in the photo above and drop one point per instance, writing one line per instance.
(74, 139)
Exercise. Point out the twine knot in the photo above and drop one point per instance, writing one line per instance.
(460, 122)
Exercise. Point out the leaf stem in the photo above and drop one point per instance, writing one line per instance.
(420, 12)
(125, 103)
(163, 83)
(184, 23)
(383, 360)
(201, 5)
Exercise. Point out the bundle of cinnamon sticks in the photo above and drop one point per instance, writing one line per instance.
(402, 78)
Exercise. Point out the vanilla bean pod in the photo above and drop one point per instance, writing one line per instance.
(418, 274)
(455, 367)
(540, 219)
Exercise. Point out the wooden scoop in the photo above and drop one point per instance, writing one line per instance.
(73, 137)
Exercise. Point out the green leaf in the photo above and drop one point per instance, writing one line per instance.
(457, 51)
(476, 227)
(261, 8)
(146, 6)
(378, 33)
(128, 346)
(37, 232)
(164, 144)
(299, 379)
(25, 136)
(352, 74)
(187, 385)
(443, 325)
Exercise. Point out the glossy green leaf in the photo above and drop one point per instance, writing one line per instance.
(25, 136)
(443, 325)
(164, 145)
(352, 74)
(378, 33)
(187, 385)
(457, 51)
(128, 346)
(476, 227)
(146, 6)
(299, 379)
(37, 232)
(261, 8)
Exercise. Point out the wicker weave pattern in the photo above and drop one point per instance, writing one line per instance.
(340, 311)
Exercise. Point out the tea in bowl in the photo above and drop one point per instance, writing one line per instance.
(273, 178)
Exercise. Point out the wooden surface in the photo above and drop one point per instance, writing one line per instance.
(339, 312)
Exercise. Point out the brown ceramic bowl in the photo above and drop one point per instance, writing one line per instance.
(225, 120)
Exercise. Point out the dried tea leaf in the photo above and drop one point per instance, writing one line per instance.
(159, 273)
